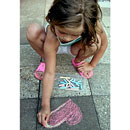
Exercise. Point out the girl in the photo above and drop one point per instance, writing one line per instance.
(73, 27)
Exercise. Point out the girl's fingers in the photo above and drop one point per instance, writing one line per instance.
(39, 117)
(81, 64)
(47, 118)
(80, 69)
(43, 122)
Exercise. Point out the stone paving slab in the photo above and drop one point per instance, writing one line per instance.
(89, 121)
(28, 83)
(48, 5)
(63, 59)
(100, 82)
(102, 104)
(105, 11)
(28, 56)
(28, 114)
(70, 93)
(106, 21)
(23, 39)
(31, 11)
(104, 3)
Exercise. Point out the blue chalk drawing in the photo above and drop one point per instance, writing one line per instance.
(70, 83)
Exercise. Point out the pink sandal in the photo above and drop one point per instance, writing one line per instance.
(81, 73)
(41, 68)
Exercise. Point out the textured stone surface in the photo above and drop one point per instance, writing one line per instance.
(63, 59)
(100, 82)
(89, 121)
(70, 93)
(106, 21)
(28, 114)
(105, 11)
(28, 56)
(104, 3)
(31, 11)
(23, 38)
(28, 83)
(102, 104)
(48, 5)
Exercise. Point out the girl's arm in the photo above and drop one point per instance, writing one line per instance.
(50, 61)
(50, 47)
(80, 57)
(103, 47)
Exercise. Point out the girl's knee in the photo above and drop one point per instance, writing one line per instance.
(94, 48)
(33, 31)
(98, 44)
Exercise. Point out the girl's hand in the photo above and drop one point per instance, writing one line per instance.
(43, 115)
(85, 67)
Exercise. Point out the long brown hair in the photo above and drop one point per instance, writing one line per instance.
(73, 13)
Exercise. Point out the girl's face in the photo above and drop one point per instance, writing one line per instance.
(68, 34)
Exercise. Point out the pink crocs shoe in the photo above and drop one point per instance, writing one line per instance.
(41, 68)
(81, 73)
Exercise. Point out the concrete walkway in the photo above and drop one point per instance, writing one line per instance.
(94, 100)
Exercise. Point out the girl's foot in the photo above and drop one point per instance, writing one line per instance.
(87, 74)
(40, 71)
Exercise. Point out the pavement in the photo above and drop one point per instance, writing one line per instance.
(93, 100)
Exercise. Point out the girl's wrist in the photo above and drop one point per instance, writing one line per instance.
(46, 102)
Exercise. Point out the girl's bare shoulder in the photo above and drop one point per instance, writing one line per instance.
(51, 40)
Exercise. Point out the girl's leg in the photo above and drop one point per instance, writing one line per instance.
(89, 50)
(36, 37)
